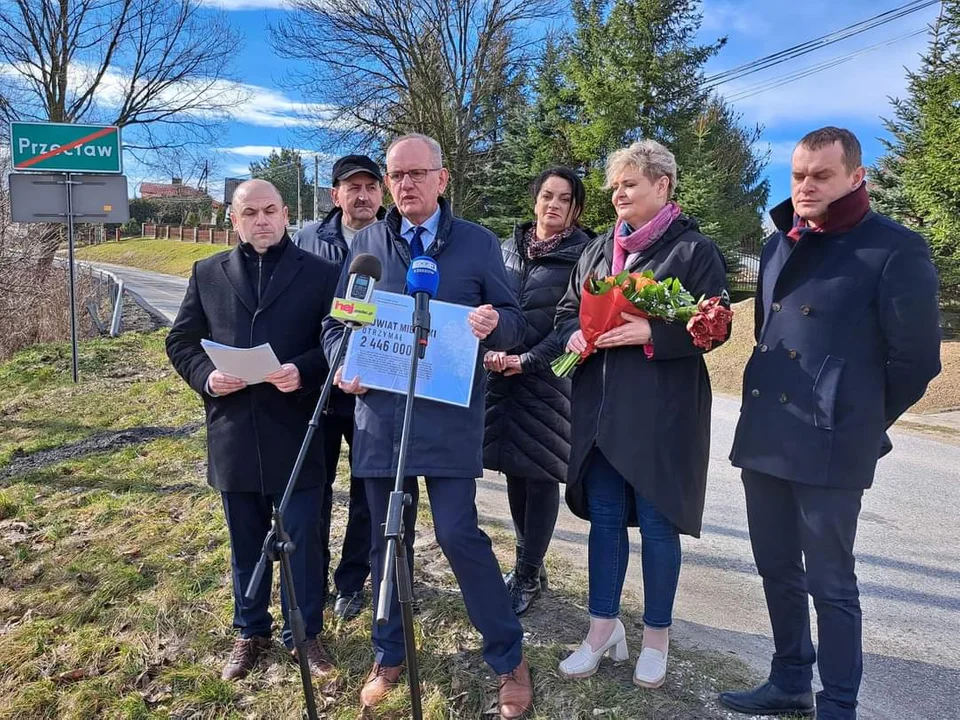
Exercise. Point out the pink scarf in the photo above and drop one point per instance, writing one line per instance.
(642, 238)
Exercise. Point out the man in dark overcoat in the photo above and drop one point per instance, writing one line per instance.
(266, 290)
(847, 335)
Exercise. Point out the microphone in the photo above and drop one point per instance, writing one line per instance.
(423, 279)
(356, 310)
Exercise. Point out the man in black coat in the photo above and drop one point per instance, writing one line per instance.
(358, 195)
(266, 290)
(847, 336)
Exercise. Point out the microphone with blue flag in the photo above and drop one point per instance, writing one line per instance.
(423, 279)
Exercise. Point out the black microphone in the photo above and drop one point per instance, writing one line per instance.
(356, 310)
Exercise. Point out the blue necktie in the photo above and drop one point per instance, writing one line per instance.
(416, 244)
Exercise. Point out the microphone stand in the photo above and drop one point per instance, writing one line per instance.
(278, 545)
(396, 555)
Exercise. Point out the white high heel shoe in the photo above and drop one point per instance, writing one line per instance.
(651, 669)
(584, 660)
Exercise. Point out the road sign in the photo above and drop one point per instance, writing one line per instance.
(69, 198)
(66, 147)
(43, 198)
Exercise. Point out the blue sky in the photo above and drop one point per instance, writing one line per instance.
(855, 94)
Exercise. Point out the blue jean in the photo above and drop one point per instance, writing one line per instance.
(610, 499)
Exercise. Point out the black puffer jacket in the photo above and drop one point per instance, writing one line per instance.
(528, 415)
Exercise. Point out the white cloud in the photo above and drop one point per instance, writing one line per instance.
(257, 151)
(721, 17)
(781, 152)
(247, 4)
(224, 99)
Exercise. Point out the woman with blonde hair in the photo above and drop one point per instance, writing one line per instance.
(640, 421)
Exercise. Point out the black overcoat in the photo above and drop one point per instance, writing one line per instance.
(847, 339)
(253, 435)
(649, 417)
(528, 415)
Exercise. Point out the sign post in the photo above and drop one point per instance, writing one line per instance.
(74, 357)
(68, 149)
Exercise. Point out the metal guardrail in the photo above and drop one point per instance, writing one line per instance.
(108, 283)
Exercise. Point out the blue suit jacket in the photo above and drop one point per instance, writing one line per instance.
(847, 330)
(446, 440)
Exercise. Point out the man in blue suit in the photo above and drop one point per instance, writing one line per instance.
(847, 331)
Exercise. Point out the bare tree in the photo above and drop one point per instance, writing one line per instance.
(379, 68)
(156, 67)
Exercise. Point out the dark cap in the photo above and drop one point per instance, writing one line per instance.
(353, 164)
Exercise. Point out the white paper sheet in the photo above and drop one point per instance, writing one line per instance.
(248, 364)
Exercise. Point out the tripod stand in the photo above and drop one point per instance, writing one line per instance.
(396, 556)
(278, 545)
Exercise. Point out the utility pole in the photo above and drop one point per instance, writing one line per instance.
(299, 200)
(316, 187)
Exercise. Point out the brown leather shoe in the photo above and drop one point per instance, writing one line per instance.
(379, 683)
(243, 657)
(317, 659)
(516, 692)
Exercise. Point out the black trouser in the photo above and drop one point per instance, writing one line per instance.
(802, 537)
(354, 566)
(248, 521)
(534, 505)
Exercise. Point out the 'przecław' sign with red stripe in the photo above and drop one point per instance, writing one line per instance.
(66, 147)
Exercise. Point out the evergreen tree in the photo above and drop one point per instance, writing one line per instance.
(281, 169)
(636, 70)
(720, 179)
(917, 181)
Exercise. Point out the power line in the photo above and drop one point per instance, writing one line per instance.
(810, 46)
(780, 80)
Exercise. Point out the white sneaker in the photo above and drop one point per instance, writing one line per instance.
(651, 670)
(584, 660)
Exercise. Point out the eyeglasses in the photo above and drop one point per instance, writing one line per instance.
(418, 175)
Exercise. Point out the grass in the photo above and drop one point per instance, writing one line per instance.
(727, 362)
(114, 586)
(172, 257)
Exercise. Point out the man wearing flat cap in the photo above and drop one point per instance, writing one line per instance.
(358, 200)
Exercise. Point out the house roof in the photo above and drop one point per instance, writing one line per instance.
(165, 190)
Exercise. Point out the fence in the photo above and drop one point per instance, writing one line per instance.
(190, 234)
(745, 267)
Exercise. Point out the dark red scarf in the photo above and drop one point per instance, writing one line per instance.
(842, 214)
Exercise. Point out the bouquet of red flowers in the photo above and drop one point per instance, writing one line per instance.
(603, 301)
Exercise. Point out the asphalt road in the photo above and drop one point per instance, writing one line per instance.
(908, 563)
(163, 292)
(907, 550)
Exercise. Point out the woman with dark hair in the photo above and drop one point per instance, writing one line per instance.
(528, 407)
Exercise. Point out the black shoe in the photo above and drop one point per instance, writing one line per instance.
(525, 588)
(508, 578)
(348, 605)
(768, 699)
